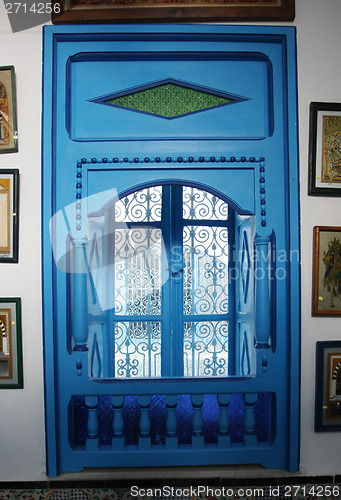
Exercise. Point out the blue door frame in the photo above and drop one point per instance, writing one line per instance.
(245, 152)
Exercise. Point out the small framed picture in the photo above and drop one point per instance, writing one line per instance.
(328, 386)
(11, 369)
(111, 11)
(8, 111)
(9, 215)
(325, 149)
(327, 271)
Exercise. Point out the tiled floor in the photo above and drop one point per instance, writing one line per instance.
(187, 492)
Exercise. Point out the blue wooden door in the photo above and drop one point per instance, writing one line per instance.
(170, 246)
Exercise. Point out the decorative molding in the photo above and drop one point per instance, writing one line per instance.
(173, 159)
(207, 159)
(79, 188)
(262, 191)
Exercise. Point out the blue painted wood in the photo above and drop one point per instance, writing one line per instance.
(262, 293)
(202, 151)
(92, 440)
(140, 70)
(223, 422)
(198, 441)
(250, 438)
(171, 422)
(144, 438)
(224, 401)
(80, 302)
(118, 423)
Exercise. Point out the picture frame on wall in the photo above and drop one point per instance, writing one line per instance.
(328, 386)
(325, 149)
(11, 364)
(110, 11)
(326, 271)
(9, 215)
(8, 111)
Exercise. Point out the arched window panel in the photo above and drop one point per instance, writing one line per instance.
(163, 290)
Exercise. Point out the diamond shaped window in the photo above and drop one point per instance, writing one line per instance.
(169, 99)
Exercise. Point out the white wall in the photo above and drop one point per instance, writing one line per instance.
(319, 79)
(22, 454)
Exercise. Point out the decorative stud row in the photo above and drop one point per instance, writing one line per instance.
(262, 191)
(174, 159)
(170, 159)
(79, 187)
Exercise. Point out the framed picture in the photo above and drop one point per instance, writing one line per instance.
(8, 111)
(325, 149)
(328, 386)
(327, 271)
(9, 215)
(11, 369)
(109, 11)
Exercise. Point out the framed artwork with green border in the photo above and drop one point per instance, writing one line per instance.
(11, 365)
(328, 386)
(9, 215)
(8, 111)
(325, 149)
(134, 11)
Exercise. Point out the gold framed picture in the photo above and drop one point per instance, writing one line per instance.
(8, 111)
(110, 11)
(327, 271)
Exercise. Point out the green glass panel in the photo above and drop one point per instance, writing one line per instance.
(169, 100)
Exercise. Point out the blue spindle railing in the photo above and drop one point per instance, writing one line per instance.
(118, 422)
(171, 421)
(92, 438)
(197, 422)
(223, 422)
(250, 437)
(144, 438)
(170, 425)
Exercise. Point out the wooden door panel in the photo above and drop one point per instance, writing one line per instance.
(244, 151)
(246, 79)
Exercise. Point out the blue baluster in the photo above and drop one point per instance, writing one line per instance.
(250, 438)
(144, 438)
(118, 422)
(197, 422)
(80, 301)
(262, 292)
(92, 439)
(223, 422)
(171, 422)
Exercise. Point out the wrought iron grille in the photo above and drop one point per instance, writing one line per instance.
(172, 296)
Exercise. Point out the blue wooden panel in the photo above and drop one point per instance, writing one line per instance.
(236, 186)
(245, 152)
(92, 76)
